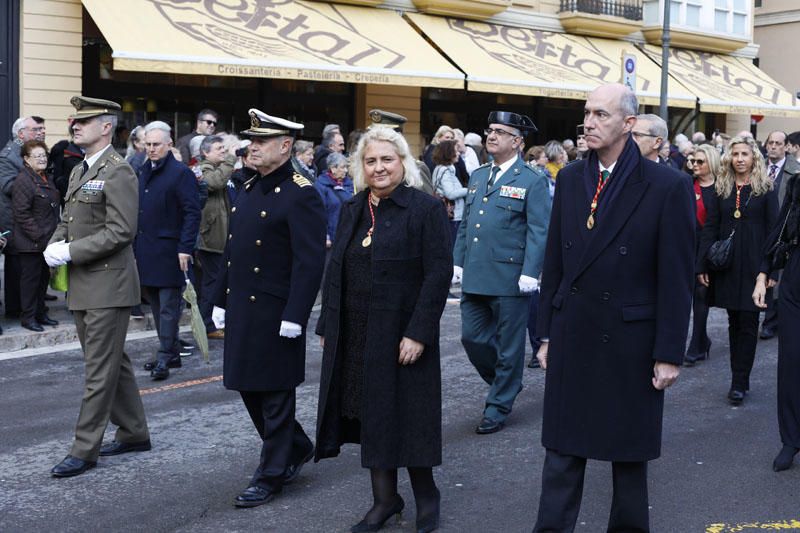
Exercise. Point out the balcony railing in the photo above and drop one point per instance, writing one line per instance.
(627, 9)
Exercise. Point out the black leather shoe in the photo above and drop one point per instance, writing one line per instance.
(736, 397)
(33, 326)
(72, 466)
(767, 333)
(116, 448)
(784, 459)
(430, 522)
(50, 297)
(488, 425)
(292, 471)
(159, 372)
(254, 496)
(47, 321)
(173, 363)
(364, 527)
(534, 362)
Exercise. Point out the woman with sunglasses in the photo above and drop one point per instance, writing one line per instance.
(706, 166)
(745, 202)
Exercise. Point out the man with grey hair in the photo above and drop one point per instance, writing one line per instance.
(698, 137)
(215, 169)
(618, 269)
(649, 133)
(169, 218)
(95, 236)
(332, 141)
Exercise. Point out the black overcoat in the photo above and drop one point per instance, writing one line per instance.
(411, 270)
(614, 300)
(272, 268)
(733, 288)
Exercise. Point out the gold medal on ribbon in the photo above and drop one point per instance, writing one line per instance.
(367, 241)
(737, 214)
(590, 222)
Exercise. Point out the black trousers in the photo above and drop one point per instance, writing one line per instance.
(562, 490)
(210, 265)
(743, 336)
(167, 304)
(284, 441)
(34, 277)
(700, 341)
(771, 314)
(11, 274)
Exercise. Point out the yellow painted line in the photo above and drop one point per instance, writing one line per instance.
(786, 525)
(181, 385)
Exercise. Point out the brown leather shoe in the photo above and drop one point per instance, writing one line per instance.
(217, 334)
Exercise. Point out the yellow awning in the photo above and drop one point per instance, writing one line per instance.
(727, 84)
(502, 59)
(294, 39)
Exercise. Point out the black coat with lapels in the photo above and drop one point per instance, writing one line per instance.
(411, 269)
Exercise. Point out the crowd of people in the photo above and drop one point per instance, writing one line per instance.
(618, 232)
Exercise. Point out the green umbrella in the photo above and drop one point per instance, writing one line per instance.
(198, 326)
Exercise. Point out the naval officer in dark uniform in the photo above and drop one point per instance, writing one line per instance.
(272, 269)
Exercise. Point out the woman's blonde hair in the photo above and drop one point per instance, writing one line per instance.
(712, 159)
(383, 134)
(759, 181)
(441, 131)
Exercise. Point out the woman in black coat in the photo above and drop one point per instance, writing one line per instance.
(786, 235)
(35, 202)
(384, 294)
(744, 202)
(706, 165)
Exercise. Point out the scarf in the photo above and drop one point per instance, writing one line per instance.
(628, 162)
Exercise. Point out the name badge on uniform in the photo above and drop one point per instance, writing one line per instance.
(93, 185)
(517, 193)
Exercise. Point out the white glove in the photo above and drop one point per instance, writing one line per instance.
(218, 317)
(457, 274)
(290, 329)
(527, 284)
(57, 254)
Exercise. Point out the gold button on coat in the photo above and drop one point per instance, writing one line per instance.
(277, 189)
(252, 298)
(229, 263)
(233, 209)
(258, 242)
(256, 270)
(263, 214)
(230, 235)
(227, 291)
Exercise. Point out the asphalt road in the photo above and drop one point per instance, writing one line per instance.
(714, 474)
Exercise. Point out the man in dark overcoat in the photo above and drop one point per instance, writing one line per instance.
(272, 269)
(169, 219)
(614, 311)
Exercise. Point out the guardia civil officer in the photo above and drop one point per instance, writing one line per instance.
(498, 257)
(271, 273)
(95, 238)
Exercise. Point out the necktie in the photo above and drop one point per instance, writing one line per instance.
(773, 170)
(605, 174)
(493, 175)
(85, 168)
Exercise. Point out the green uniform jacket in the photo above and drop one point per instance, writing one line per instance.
(503, 231)
(214, 223)
(99, 220)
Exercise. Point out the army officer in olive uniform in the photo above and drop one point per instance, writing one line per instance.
(95, 238)
(272, 269)
(498, 257)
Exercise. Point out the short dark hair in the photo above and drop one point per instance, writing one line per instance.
(444, 153)
(205, 112)
(28, 146)
(38, 120)
(793, 138)
(208, 142)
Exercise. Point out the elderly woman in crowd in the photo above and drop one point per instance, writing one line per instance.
(556, 158)
(303, 152)
(745, 202)
(385, 291)
(335, 187)
(35, 205)
(446, 184)
(781, 253)
(706, 165)
(444, 133)
(135, 154)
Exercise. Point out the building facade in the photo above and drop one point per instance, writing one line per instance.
(435, 61)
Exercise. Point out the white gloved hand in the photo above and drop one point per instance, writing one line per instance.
(218, 317)
(527, 284)
(290, 329)
(57, 254)
(458, 272)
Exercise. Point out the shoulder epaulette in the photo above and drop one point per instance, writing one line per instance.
(485, 165)
(114, 156)
(300, 180)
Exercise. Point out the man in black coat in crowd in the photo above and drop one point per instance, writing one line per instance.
(618, 268)
(271, 274)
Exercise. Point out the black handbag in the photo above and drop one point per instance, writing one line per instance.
(720, 253)
(778, 253)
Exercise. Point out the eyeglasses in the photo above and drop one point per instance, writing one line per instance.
(497, 131)
(210, 122)
(696, 161)
(38, 156)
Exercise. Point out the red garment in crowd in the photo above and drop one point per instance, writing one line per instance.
(701, 208)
